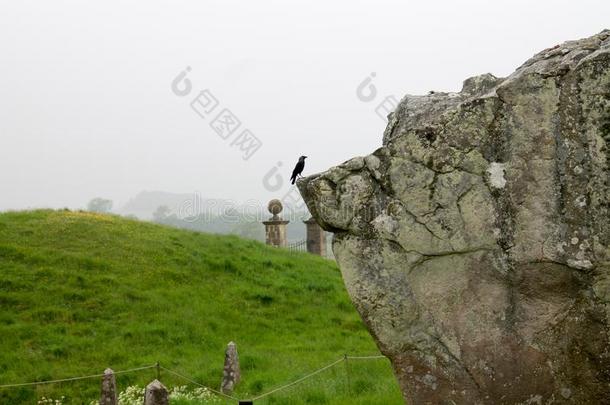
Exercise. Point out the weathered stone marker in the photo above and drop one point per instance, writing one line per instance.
(156, 394)
(316, 238)
(231, 374)
(109, 392)
(475, 242)
(275, 227)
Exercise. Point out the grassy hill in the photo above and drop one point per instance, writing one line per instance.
(80, 292)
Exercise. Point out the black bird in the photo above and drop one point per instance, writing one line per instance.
(298, 169)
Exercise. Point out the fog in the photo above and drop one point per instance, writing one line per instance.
(88, 109)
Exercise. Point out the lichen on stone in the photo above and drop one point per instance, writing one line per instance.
(475, 241)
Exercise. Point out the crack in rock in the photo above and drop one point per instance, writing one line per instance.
(475, 242)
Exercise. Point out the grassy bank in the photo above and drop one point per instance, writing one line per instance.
(80, 292)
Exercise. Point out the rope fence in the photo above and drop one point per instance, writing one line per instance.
(198, 384)
(299, 380)
(131, 370)
(365, 357)
(158, 366)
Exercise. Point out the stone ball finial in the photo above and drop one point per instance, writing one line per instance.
(275, 206)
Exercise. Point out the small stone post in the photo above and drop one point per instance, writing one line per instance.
(316, 238)
(108, 394)
(275, 227)
(156, 394)
(231, 373)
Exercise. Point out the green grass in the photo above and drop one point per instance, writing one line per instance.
(80, 292)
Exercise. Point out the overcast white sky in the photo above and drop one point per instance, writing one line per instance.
(86, 106)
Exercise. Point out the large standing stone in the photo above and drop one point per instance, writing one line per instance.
(231, 373)
(156, 394)
(108, 393)
(475, 242)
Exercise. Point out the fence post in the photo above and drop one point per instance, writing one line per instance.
(231, 373)
(108, 394)
(347, 375)
(156, 394)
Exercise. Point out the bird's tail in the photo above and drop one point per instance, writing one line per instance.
(293, 179)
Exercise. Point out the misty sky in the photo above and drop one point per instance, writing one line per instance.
(87, 108)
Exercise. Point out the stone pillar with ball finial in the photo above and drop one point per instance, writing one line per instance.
(275, 227)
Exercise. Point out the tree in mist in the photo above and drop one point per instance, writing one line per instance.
(161, 213)
(99, 205)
